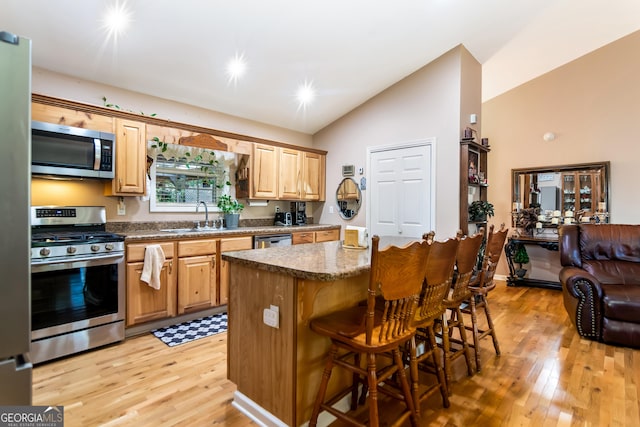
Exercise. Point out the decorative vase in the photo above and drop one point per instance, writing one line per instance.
(231, 220)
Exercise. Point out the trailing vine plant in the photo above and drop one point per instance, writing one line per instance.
(117, 107)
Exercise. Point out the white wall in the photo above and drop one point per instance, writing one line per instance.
(423, 105)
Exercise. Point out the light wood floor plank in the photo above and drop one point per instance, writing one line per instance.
(546, 376)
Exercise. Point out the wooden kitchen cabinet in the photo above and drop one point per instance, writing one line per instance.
(290, 174)
(145, 303)
(71, 117)
(131, 159)
(327, 235)
(313, 176)
(265, 161)
(301, 237)
(229, 244)
(197, 285)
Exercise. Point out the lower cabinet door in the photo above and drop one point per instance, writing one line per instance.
(196, 283)
(145, 303)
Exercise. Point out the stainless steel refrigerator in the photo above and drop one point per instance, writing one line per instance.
(15, 229)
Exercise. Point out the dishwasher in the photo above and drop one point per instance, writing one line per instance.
(268, 241)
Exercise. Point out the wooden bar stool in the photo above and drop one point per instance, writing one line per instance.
(438, 277)
(396, 277)
(452, 319)
(480, 287)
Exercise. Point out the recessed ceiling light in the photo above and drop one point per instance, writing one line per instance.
(306, 94)
(117, 19)
(236, 68)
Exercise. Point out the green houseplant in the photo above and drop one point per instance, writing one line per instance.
(231, 209)
(521, 257)
(480, 210)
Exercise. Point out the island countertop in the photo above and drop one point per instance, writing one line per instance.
(326, 261)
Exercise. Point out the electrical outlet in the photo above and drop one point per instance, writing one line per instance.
(271, 318)
(122, 208)
(277, 209)
(330, 209)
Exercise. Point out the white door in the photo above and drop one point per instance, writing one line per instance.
(401, 190)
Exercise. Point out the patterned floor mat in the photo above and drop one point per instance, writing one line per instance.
(193, 330)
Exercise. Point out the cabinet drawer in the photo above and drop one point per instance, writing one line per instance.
(236, 244)
(196, 247)
(327, 235)
(304, 237)
(135, 251)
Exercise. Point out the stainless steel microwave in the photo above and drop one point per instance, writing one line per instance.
(70, 151)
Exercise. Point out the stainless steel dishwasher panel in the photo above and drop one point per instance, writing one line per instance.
(267, 241)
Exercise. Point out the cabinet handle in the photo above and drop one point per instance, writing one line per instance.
(119, 184)
(213, 263)
(170, 266)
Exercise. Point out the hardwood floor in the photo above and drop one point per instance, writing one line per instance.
(546, 376)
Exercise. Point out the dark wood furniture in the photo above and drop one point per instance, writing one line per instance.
(364, 332)
(473, 180)
(480, 287)
(548, 242)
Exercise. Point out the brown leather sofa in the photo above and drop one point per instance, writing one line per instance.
(601, 281)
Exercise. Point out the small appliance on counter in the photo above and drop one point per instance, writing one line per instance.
(282, 218)
(299, 213)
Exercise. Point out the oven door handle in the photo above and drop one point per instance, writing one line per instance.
(57, 264)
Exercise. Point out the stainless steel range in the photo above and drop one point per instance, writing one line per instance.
(77, 281)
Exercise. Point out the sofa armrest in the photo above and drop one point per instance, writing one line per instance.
(582, 295)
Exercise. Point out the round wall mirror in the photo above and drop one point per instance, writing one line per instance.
(349, 198)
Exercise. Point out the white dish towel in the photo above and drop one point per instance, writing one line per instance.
(153, 262)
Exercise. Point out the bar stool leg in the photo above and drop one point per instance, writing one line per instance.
(326, 375)
(463, 337)
(373, 390)
(474, 323)
(492, 330)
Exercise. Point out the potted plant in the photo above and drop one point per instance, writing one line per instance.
(480, 210)
(521, 257)
(231, 209)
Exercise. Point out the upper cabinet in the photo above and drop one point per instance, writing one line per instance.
(131, 159)
(71, 117)
(290, 174)
(265, 160)
(313, 176)
(281, 173)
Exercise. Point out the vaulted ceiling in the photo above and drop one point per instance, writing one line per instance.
(346, 51)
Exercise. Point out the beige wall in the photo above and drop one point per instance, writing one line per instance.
(592, 105)
(426, 104)
(90, 192)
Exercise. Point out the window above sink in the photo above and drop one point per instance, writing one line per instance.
(181, 176)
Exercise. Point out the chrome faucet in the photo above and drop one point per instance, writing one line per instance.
(206, 212)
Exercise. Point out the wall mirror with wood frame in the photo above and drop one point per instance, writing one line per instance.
(349, 198)
(577, 190)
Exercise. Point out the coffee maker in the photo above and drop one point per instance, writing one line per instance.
(299, 213)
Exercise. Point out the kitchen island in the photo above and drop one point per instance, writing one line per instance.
(277, 370)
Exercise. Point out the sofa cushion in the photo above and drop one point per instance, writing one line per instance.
(614, 272)
(621, 302)
(617, 242)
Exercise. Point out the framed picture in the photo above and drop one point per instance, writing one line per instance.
(474, 165)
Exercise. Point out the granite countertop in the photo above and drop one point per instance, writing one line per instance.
(131, 234)
(326, 261)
